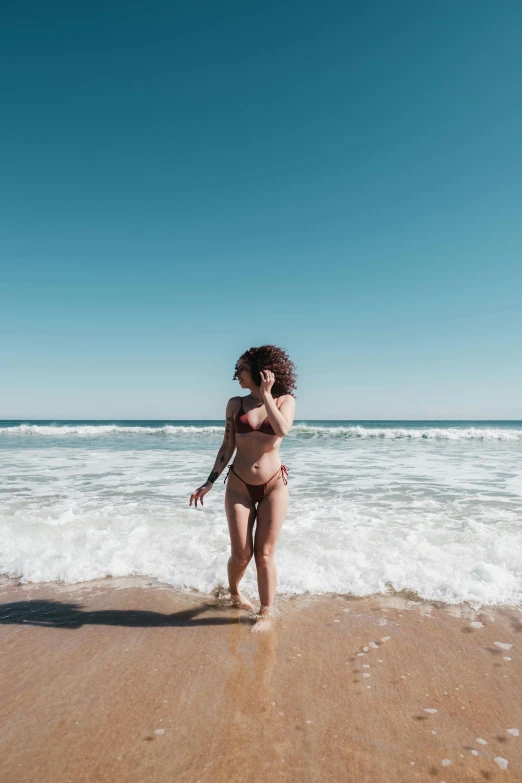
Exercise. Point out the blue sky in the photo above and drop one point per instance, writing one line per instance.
(183, 181)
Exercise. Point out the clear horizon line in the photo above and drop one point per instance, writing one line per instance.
(307, 419)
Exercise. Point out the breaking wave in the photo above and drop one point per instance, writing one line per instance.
(299, 430)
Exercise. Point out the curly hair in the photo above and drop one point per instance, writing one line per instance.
(269, 357)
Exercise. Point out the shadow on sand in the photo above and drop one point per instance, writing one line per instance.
(58, 614)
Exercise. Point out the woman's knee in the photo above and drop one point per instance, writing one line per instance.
(241, 557)
(264, 557)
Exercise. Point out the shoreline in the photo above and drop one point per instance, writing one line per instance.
(127, 679)
(405, 597)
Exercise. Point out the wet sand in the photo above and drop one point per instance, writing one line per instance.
(129, 680)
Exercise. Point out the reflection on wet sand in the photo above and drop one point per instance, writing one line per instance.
(250, 720)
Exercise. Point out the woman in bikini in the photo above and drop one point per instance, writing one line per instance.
(255, 425)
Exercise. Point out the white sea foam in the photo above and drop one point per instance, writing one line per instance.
(437, 517)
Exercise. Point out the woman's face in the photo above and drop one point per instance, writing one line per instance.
(244, 376)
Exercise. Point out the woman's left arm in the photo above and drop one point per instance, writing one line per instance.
(280, 418)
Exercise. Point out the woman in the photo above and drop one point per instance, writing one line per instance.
(255, 425)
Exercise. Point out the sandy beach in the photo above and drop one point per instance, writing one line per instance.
(129, 680)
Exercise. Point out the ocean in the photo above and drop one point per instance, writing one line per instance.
(430, 507)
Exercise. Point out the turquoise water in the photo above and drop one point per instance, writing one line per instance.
(177, 433)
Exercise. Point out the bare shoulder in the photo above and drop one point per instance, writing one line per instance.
(287, 399)
(233, 405)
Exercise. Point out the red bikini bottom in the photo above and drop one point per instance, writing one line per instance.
(257, 491)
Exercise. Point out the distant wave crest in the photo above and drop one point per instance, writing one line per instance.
(93, 430)
(407, 433)
(301, 431)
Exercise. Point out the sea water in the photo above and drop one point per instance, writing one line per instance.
(430, 507)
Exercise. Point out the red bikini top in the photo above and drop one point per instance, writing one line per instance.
(241, 423)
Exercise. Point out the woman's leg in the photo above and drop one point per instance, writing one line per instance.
(271, 513)
(241, 515)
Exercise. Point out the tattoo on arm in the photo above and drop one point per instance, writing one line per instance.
(222, 454)
(227, 429)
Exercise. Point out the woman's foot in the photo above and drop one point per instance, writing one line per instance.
(239, 600)
(263, 620)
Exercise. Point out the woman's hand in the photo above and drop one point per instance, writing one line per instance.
(267, 381)
(200, 493)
